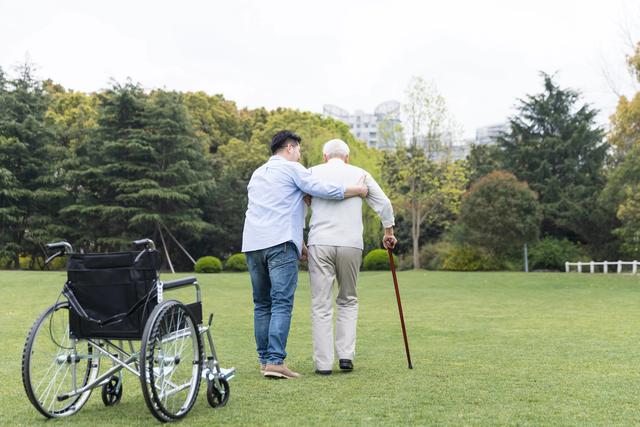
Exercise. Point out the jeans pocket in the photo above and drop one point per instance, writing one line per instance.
(283, 254)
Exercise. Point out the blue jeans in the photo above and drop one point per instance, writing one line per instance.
(274, 276)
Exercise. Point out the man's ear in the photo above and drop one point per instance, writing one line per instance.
(325, 158)
(346, 159)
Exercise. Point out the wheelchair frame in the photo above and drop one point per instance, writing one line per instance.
(138, 362)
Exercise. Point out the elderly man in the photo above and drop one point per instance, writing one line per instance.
(335, 252)
(272, 241)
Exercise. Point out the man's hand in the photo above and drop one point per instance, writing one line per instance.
(364, 190)
(360, 189)
(307, 199)
(305, 253)
(389, 241)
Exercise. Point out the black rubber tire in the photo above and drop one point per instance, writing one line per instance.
(112, 391)
(72, 405)
(215, 397)
(153, 331)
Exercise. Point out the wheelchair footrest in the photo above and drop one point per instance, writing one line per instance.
(228, 373)
(225, 373)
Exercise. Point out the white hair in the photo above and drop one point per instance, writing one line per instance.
(335, 148)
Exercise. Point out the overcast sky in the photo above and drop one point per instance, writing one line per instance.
(482, 55)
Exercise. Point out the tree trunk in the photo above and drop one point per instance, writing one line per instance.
(416, 251)
(415, 233)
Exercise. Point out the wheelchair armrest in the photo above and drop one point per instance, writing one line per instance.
(178, 283)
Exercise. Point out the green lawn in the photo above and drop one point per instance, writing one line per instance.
(487, 349)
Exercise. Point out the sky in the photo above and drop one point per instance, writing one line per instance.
(482, 55)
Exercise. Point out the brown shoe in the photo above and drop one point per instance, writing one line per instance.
(262, 368)
(279, 371)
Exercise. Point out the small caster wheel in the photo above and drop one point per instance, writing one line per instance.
(112, 391)
(217, 398)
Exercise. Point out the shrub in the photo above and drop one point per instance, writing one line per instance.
(500, 213)
(236, 262)
(432, 255)
(470, 258)
(25, 262)
(59, 263)
(378, 259)
(208, 264)
(551, 254)
(405, 262)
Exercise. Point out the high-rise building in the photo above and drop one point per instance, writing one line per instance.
(366, 126)
(488, 135)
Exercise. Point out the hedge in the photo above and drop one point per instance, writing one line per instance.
(378, 259)
(236, 262)
(208, 264)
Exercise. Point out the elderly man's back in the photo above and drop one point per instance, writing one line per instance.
(339, 222)
(335, 253)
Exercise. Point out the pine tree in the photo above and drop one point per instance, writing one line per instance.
(144, 167)
(179, 175)
(555, 146)
(30, 191)
(111, 161)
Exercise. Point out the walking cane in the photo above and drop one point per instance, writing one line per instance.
(404, 330)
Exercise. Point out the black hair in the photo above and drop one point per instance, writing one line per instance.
(279, 139)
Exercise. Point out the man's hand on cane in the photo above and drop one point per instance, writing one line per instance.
(389, 240)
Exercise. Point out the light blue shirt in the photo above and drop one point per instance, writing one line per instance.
(275, 213)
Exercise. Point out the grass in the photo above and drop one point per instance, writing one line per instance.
(487, 349)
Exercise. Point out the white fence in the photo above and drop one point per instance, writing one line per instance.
(605, 266)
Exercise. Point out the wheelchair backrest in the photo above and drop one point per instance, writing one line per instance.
(109, 284)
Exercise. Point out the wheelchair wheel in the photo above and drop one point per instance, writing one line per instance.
(48, 364)
(218, 396)
(170, 361)
(112, 391)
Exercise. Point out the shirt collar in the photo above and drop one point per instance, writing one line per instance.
(336, 159)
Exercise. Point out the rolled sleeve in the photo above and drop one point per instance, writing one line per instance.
(379, 202)
(308, 183)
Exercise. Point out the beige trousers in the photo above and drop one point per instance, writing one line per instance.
(327, 263)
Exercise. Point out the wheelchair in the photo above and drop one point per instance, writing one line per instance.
(112, 311)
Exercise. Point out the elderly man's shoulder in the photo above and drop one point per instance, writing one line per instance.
(357, 170)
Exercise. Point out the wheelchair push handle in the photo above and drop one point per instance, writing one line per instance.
(147, 243)
(64, 248)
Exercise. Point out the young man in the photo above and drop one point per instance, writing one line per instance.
(272, 241)
(335, 252)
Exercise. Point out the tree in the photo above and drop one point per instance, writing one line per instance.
(500, 213)
(426, 188)
(30, 191)
(623, 186)
(390, 134)
(142, 168)
(426, 114)
(424, 191)
(110, 163)
(555, 146)
(482, 160)
(224, 209)
(73, 114)
(215, 119)
(177, 175)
